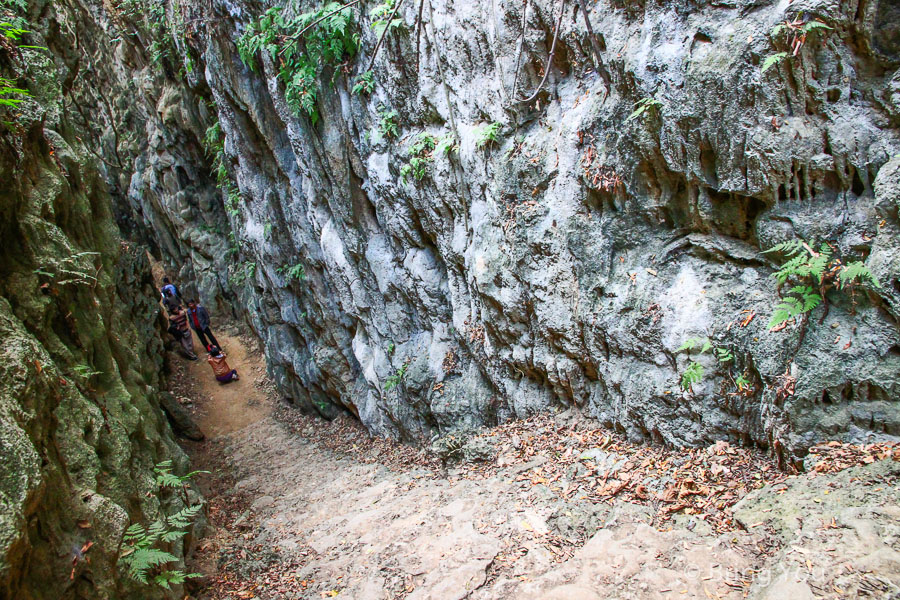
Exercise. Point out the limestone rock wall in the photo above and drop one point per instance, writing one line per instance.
(81, 364)
(564, 264)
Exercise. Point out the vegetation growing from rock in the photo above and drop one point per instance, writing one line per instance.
(814, 272)
(487, 135)
(303, 47)
(792, 34)
(144, 555)
(388, 126)
(420, 156)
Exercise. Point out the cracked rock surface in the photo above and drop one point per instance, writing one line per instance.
(564, 263)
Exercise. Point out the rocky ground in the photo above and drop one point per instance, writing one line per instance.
(552, 507)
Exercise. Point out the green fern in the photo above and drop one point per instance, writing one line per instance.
(802, 260)
(141, 557)
(326, 42)
(184, 517)
(421, 155)
(643, 105)
(387, 123)
(724, 355)
(292, 272)
(803, 300)
(381, 13)
(166, 579)
(446, 145)
(772, 60)
(365, 84)
(394, 380)
(691, 343)
(856, 273)
(488, 135)
(141, 560)
(811, 25)
(692, 374)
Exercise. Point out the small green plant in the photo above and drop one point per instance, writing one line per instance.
(390, 348)
(387, 123)
(380, 15)
(11, 32)
(692, 343)
(790, 34)
(327, 40)
(694, 371)
(73, 269)
(446, 145)
(394, 380)
(292, 272)
(365, 84)
(724, 355)
(742, 383)
(86, 371)
(420, 155)
(10, 95)
(144, 554)
(241, 273)
(692, 374)
(232, 199)
(644, 105)
(487, 135)
(813, 272)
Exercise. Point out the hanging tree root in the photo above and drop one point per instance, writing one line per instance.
(562, 6)
(595, 44)
(384, 34)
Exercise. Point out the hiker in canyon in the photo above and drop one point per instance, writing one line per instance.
(223, 372)
(199, 321)
(169, 289)
(178, 320)
(169, 301)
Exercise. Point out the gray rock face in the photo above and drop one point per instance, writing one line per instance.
(81, 361)
(565, 263)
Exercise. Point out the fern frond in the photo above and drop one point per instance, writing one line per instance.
(689, 344)
(134, 532)
(170, 578)
(169, 480)
(857, 272)
(788, 248)
(154, 532)
(172, 536)
(811, 25)
(142, 560)
(773, 59)
(810, 301)
(692, 374)
(786, 310)
(185, 516)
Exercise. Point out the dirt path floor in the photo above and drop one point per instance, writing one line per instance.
(550, 508)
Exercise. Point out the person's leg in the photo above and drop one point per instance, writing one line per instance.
(211, 337)
(234, 374)
(188, 343)
(202, 337)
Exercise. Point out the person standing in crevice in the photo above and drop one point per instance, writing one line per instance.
(179, 320)
(199, 321)
(169, 290)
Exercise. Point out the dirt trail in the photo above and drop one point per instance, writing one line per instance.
(304, 509)
(232, 406)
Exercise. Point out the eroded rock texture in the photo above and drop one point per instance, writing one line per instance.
(564, 264)
(81, 426)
